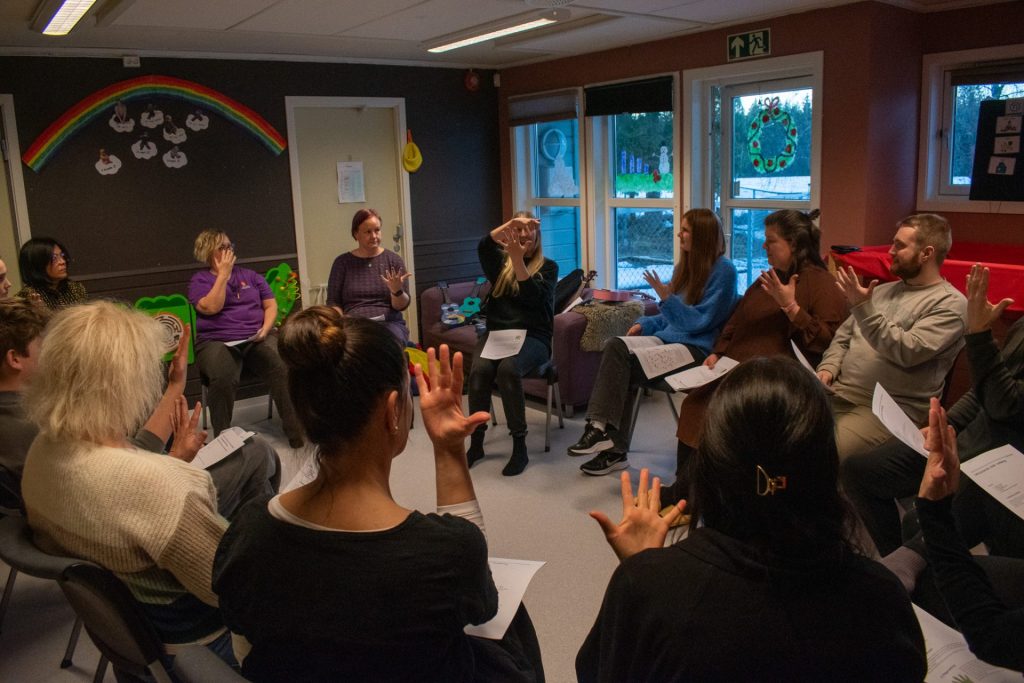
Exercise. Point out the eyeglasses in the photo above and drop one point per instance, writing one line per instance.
(230, 246)
(62, 256)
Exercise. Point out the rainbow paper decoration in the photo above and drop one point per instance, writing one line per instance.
(103, 100)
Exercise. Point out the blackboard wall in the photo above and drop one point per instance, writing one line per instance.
(131, 233)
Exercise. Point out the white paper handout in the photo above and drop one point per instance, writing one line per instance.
(503, 343)
(226, 443)
(896, 421)
(804, 362)
(511, 577)
(950, 660)
(1000, 472)
(307, 473)
(700, 375)
(657, 360)
(640, 342)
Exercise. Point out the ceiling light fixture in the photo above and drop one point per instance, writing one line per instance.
(56, 18)
(492, 31)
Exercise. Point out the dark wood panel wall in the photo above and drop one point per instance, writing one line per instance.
(131, 233)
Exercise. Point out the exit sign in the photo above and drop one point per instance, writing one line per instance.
(749, 45)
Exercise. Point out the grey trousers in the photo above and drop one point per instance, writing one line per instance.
(619, 377)
(221, 366)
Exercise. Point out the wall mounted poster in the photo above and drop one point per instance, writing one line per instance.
(351, 189)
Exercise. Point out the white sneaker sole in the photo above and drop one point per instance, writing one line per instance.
(596, 448)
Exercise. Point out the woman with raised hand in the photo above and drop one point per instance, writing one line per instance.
(370, 590)
(370, 281)
(794, 302)
(522, 298)
(768, 584)
(43, 262)
(235, 315)
(692, 308)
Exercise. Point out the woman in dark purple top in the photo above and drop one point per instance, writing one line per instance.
(369, 281)
(235, 313)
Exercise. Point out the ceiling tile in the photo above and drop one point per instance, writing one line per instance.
(436, 18)
(322, 17)
(199, 14)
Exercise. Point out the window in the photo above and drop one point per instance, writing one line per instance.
(955, 84)
(632, 126)
(762, 151)
(545, 137)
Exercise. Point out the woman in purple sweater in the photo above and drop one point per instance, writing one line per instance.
(370, 281)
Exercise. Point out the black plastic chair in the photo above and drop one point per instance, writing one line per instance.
(125, 638)
(549, 373)
(22, 555)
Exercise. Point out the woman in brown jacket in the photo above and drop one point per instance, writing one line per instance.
(796, 300)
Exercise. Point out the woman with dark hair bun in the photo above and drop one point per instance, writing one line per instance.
(369, 590)
(768, 585)
(43, 262)
(370, 281)
(795, 301)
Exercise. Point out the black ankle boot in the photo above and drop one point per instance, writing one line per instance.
(476, 448)
(517, 463)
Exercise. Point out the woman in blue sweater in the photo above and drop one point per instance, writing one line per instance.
(693, 306)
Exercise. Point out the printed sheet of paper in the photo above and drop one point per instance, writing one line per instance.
(895, 420)
(306, 474)
(226, 443)
(950, 660)
(503, 343)
(700, 375)
(511, 577)
(804, 362)
(640, 342)
(1000, 472)
(658, 360)
(351, 187)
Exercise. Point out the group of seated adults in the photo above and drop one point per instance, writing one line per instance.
(770, 581)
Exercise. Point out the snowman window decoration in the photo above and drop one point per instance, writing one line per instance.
(553, 146)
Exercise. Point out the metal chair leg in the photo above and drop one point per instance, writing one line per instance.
(547, 423)
(206, 405)
(69, 652)
(8, 590)
(671, 404)
(558, 404)
(101, 670)
(270, 407)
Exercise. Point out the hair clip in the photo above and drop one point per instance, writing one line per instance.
(766, 485)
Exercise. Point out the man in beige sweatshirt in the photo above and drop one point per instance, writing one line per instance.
(903, 335)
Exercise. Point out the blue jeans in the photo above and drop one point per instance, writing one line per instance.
(508, 374)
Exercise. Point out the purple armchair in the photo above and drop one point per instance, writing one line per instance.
(577, 369)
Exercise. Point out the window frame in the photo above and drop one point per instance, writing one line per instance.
(934, 192)
(523, 140)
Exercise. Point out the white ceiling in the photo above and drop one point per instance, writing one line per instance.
(391, 31)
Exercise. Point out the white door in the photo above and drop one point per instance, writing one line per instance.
(323, 131)
(13, 214)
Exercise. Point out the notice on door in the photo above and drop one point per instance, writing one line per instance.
(351, 189)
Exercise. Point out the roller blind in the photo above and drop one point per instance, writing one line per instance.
(648, 95)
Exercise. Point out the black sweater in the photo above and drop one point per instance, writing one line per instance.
(533, 309)
(994, 632)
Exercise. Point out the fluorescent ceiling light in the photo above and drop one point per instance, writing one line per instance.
(490, 32)
(61, 21)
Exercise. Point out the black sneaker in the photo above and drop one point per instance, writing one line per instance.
(604, 463)
(593, 441)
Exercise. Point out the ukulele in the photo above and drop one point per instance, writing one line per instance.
(471, 304)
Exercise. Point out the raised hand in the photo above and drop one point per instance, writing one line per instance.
(942, 473)
(851, 288)
(178, 368)
(187, 438)
(783, 294)
(224, 262)
(981, 313)
(642, 526)
(662, 290)
(395, 279)
(441, 402)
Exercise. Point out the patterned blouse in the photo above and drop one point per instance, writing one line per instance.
(68, 293)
